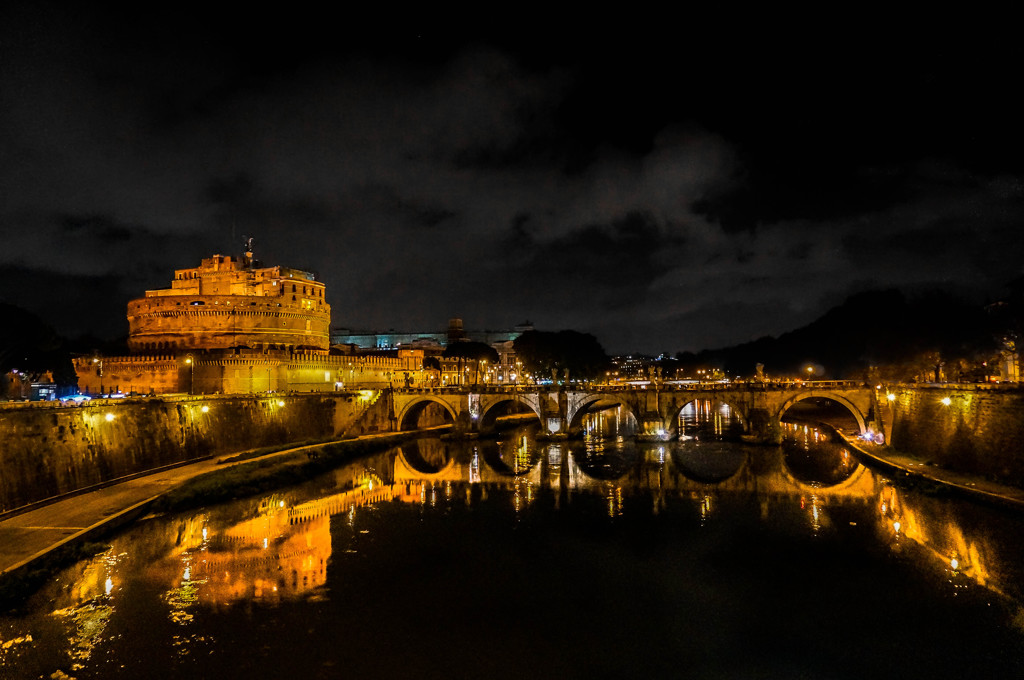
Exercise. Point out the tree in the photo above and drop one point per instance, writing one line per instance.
(474, 352)
(542, 352)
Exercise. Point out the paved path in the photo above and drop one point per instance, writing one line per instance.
(29, 535)
(972, 485)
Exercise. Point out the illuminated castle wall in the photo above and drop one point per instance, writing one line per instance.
(227, 303)
(231, 326)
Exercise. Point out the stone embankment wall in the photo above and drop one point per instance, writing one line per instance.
(48, 449)
(980, 430)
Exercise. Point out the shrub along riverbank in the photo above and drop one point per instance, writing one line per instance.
(259, 476)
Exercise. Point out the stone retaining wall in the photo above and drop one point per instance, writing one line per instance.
(980, 430)
(48, 449)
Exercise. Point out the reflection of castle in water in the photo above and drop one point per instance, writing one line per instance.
(283, 548)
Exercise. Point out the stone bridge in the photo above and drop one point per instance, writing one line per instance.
(655, 408)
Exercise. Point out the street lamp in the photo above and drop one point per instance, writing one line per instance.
(191, 371)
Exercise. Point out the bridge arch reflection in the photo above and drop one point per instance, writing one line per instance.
(709, 463)
(810, 459)
(426, 456)
(514, 456)
(606, 464)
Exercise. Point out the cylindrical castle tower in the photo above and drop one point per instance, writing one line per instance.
(230, 303)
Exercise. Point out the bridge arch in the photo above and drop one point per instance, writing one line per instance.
(491, 409)
(735, 411)
(410, 413)
(576, 415)
(824, 394)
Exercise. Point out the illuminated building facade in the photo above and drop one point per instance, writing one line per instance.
(228, 303)
(232, 325)
(428, 340)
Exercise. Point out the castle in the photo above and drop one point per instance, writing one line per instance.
(231, 325)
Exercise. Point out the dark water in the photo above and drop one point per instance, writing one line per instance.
(601, 558)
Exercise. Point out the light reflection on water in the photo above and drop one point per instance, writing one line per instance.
(303, 547)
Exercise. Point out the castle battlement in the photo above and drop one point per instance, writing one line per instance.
(229, 303)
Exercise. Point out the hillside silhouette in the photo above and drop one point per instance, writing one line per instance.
(899, 335)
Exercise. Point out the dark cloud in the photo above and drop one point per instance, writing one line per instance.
(662, 194)
(104, 230)
(76, 303)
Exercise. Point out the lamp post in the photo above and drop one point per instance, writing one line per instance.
(191, 371)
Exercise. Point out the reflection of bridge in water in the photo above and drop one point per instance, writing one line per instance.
(282, 548)
(658, 469)
(760, 407)
(414, 472)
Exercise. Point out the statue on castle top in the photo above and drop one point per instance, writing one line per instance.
(247, 249)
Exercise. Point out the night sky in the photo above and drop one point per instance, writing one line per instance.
(688, 187)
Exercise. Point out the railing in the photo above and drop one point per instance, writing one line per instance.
(482, 388)
(490, 388)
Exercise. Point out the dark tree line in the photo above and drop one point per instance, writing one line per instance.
(543, 352)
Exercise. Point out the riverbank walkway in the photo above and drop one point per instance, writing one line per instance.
(30, 534)
(973, 486)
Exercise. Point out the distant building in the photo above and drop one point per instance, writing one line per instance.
(392, 339)
(432, 344)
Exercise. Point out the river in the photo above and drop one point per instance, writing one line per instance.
(602, 557)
